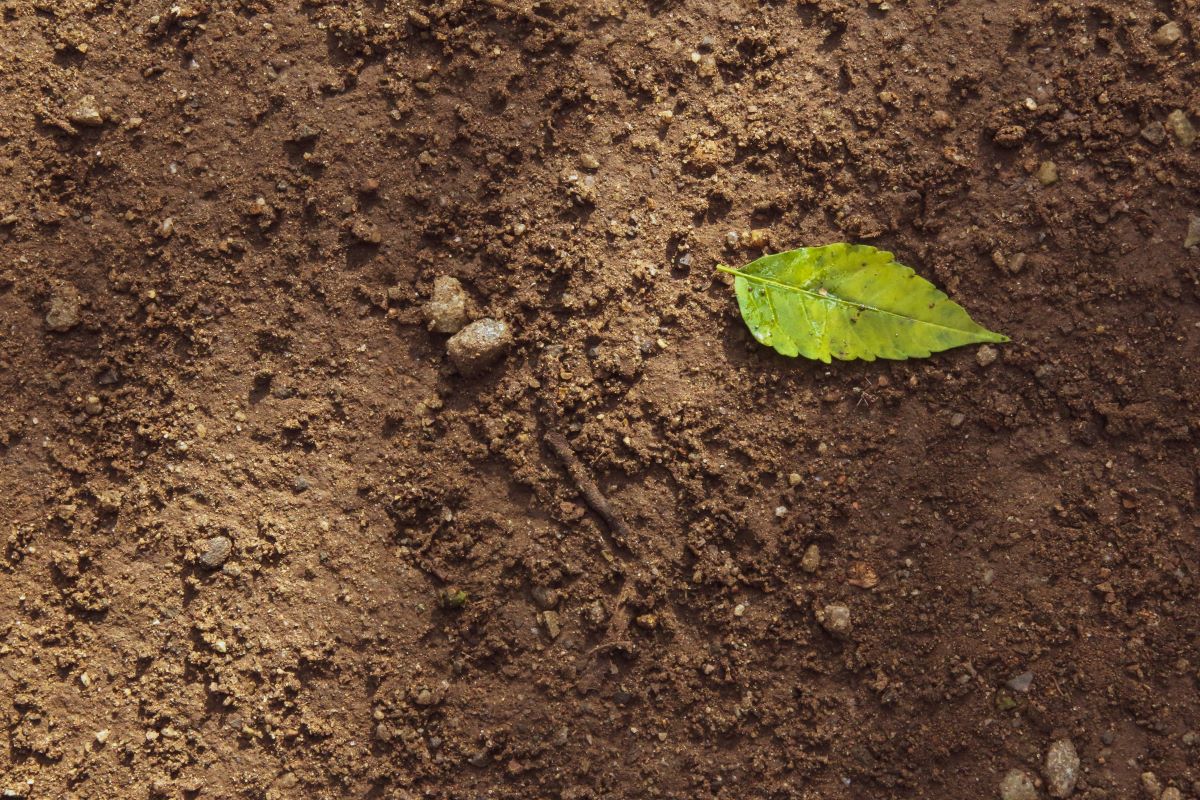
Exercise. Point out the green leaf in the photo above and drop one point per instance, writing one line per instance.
(849, 301)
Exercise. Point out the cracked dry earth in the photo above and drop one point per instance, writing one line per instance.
(263, 538)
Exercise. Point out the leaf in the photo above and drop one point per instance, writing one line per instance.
(849, 301)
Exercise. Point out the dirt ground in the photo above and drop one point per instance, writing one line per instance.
(260, 538)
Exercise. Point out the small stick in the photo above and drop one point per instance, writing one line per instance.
(587, 487)
(524, 13)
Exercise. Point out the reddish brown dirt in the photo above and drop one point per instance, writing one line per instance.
(262, 370)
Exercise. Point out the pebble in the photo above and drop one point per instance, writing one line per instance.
(647, 621)
(102, 736)
(811, 561)
(1021, 683)
(1193, 232)
(477, 346)
(365, 232)
(1047, 173)
(589, 162)
(1154, 133)
(1151, 786)
(1171, 793)
(301, 484)
(92, 405)
(1017, 784)
(545, 598)
(447, 310)
(986, 355)
(1167, 35)
(835, 618)
(550, 620)
(63, 313)
(86, 112)
(215, 551)
(1061, 768)
(957, 419)
(1181, 127)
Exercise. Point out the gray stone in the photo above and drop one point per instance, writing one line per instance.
(447, 310)
(1018, 785)
(477, 346)
(986, 355)
(1154, 133)
(215, 551)
(1061, 768)
(1021, 683)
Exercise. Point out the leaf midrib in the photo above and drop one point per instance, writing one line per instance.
(835, 299)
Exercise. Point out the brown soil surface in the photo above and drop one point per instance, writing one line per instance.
(220, 221)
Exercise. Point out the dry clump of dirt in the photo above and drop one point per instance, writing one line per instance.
(266, 535)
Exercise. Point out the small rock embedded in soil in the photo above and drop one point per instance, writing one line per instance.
(1171, 793)
(1151, 786)
(589, 162)
(986, 355)
(551, 623)
(835, 618)
(447, 309)
(545, 598)
(1047, 173)
(810, 562)
(479, 345)
(86, 112)
(1193, 232)
(1017, 784)
(1062, 768)
(1181, 127)
(63, 313)
(1154, 133)
(1167, 35)
(215, 552)
(1021, 683)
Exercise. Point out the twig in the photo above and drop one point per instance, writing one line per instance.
(526, 14)
(587, 487)
(620, 538)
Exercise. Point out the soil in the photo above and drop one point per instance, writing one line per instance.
(262, 540)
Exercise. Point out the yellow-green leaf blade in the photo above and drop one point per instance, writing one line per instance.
(849, 301)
